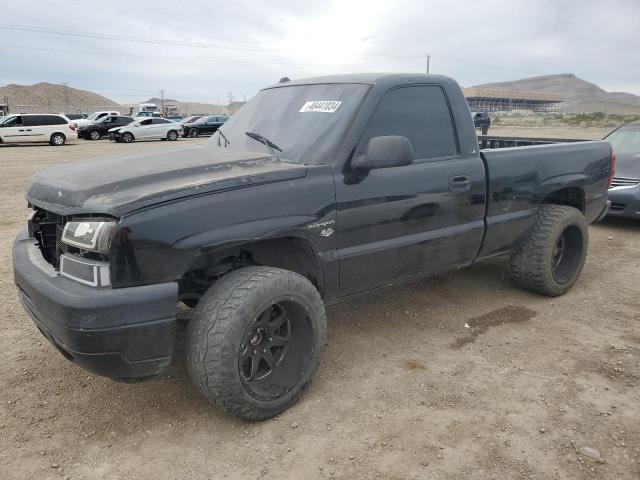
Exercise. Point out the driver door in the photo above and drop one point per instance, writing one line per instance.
(400, 222)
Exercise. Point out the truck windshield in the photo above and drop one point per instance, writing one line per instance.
(305, 121)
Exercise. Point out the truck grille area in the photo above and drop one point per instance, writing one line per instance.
(46, 227)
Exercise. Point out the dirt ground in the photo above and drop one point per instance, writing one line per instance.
(530, 390)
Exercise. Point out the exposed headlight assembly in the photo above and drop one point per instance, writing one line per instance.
(89, 234)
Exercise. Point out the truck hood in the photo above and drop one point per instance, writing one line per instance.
(116, 186)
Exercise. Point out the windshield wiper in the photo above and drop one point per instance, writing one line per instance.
(226, 140)
(265, 141)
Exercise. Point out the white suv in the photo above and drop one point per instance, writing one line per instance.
(31, 128)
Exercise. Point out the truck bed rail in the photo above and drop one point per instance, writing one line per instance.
(490, 141)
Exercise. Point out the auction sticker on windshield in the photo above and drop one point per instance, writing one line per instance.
(325, 106)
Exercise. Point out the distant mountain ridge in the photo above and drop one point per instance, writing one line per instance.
(579, 95)
(52, 96)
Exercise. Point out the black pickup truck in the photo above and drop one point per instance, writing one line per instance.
(314, 191)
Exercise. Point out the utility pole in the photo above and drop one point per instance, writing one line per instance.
(162, 102)
(230, 98)
(428, 61)
(66, 96)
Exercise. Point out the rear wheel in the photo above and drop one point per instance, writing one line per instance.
(552, 257)
(193, 133)
(172, 135)
(94, 135)
(255, 341)
(57, 139)
(127, 137)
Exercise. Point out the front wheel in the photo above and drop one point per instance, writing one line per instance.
(255, 341)
(57, 139)
(193, 133)
(94, 135)
(127, 137)
(551, 259)
(172, 135)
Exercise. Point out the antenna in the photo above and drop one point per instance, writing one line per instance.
(66, 96)
(428, 61)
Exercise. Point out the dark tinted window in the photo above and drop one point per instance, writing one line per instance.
(160, 120)
(419, 113)
(57, 120)
(124, 120)
(146, 122)
(41, 120)
(32, 120)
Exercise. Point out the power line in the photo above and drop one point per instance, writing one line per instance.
(183, 43)
(164, 57)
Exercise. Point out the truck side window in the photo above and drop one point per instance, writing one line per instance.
(419, 113)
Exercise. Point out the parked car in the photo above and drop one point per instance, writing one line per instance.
(190, 119)
(481, 120)
(94, 117)
(146, 129)
(177, 118)
(148, 115)
(75, 116)
(204, 126)
(363, 181)
(624, 193)
(32, 128)
(95, 131)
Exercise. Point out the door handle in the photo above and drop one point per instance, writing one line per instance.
(459, 183)
(21, 130)
(28, 129)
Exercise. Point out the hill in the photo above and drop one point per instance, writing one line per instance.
(579, 95)
(43, 97)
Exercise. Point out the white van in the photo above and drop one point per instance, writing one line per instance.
(95, 117)
(31, 128)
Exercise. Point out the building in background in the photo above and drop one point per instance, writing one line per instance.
(490, 100)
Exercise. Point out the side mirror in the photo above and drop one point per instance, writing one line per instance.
(385, 152)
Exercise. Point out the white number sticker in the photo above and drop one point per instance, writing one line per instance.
(325, 106)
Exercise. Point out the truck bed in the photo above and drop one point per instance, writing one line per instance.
(520, 178)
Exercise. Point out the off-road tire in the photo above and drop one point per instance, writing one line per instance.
(215, 334)
(57, 139)
(532, 266)
(172, 135)
(126, 137)
(94, 135)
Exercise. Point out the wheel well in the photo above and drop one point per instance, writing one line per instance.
(570, 196)
(57, 133)
(288, 253)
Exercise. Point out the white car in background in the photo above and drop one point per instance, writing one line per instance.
(37, 128)
(95, 117)
(147, 129)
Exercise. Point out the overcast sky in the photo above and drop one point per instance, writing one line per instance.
(201, 50)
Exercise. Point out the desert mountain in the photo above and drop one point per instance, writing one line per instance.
(52, 97)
